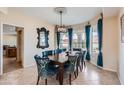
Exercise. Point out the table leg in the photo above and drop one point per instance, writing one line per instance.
(61, 74)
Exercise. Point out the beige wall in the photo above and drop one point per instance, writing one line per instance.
(3, 10)
(110, 43)
(30, 34)
(10, 40)
(121, 50)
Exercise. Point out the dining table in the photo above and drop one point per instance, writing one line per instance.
(60, 60)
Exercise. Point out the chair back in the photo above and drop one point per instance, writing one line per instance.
(64, 49)
(73, 62)
(56, 51)
(47, 53)
(42, 65)
(76, 49)
(60, 50)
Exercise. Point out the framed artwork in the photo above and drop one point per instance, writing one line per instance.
(122, 29)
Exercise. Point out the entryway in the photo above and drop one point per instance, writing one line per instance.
(12, 47)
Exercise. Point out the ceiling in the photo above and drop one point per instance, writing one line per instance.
(74, 15)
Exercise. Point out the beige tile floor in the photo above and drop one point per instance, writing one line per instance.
(91, 75)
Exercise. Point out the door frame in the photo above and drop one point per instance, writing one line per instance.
(1, 48)
(1, 43)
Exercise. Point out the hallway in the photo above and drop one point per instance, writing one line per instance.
(10, 64)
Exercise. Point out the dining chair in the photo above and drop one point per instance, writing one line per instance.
(56, 51)
(78, 66)
(60, 51)
(64, 49)
(44, 69)
(71, 67)
(44, 54)
(76, 49)
(47, 53)
(83, 59)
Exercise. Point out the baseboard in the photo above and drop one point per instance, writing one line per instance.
(28, 65)
(104, 68)
(109, 69)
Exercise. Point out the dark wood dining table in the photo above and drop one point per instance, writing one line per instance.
(60, 60)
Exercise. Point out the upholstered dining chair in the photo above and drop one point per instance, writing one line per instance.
(64, 49)
(83, 59)
(71, 67)
(76, 49)
(47, 53)
(56, 51)
(44, 69)
(79, 65)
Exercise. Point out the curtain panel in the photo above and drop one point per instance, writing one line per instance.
(70, 35)
(100, 30)
(87, 31)
(58, 39)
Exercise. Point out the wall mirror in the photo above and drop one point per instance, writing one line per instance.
(42, 38)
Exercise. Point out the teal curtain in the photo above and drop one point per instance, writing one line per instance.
(87, 31)
(70, 33)
(58, 39)
(100, 30)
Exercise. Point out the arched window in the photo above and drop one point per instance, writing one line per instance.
(79, 39)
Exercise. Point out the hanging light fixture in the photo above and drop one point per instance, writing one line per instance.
(60, 11)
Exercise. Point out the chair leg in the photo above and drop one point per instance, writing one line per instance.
(70, 79)
(84, 64)
(77, 70)
(38, 79)
(75, 74)
(45, 81)
(81, 67)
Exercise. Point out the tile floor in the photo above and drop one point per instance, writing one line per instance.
(91, 75)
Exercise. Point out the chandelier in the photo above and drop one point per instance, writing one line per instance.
(60, 11)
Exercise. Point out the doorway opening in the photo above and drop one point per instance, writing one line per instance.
(12, 48)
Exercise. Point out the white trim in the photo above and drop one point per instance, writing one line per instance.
(1, 51)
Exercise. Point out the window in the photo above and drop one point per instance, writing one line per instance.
(83, 40)
(75, 40)
(94, 39)
(79, 39)
(64, 40)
